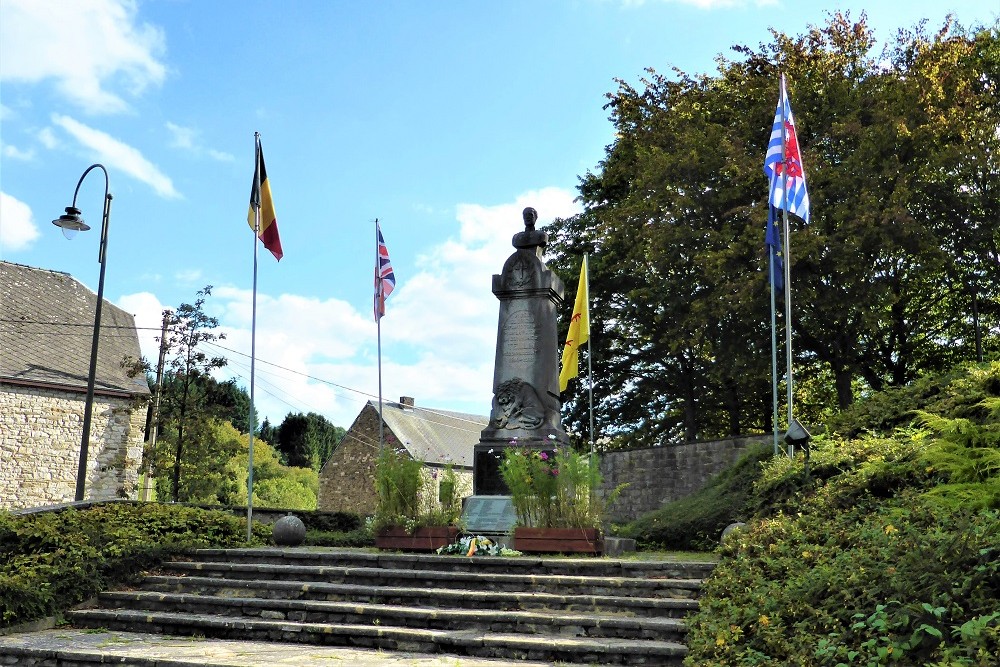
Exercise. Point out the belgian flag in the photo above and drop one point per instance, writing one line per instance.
(260, 198)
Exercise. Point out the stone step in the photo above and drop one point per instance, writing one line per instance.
(476, 643)
(481, 619)
(593, 567)
(374, 576)
(421, 596)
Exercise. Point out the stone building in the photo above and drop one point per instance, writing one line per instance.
(46, 333)
(436, 437)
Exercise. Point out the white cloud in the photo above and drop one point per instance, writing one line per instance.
(189, 277)
(185, 138)
(17, 228)
(438, 336)
(111, 53)
(148, 313)
(119, 155)
(15, 153)
(48, 138)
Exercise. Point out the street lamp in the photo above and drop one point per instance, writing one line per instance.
(71, 223)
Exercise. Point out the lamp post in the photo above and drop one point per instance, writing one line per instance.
(71, 223)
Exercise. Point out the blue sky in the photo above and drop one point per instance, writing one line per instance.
(441, 119)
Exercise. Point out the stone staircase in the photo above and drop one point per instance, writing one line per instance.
(574, 610)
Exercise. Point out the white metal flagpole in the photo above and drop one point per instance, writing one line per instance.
(378, 326)
(590, 351)
(774, 333)
(253, 331)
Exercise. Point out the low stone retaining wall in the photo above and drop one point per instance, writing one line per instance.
(658, 475)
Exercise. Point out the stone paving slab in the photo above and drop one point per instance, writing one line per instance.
(143, 650)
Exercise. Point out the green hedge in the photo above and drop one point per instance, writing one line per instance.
(51, 561)
(887, 552)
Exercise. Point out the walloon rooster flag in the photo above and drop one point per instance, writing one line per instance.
(260, 198)
(783, 162)
(579, 331)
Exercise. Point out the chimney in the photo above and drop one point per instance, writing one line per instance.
(406, 402)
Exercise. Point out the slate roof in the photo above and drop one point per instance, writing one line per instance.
(47, 328)
(437, 437)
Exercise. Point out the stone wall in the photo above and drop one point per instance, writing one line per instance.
(658, 475)
(347, 480)
(40, 431)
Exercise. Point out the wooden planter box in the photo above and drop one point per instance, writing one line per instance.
(425, 538)
(559, 540)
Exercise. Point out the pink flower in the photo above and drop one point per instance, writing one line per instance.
(555, 471)
(545, 457)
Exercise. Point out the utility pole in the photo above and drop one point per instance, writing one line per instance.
(156, 408)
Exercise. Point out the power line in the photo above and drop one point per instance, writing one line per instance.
(130, 330)
(448, 415)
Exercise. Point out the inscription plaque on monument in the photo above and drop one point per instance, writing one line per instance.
(488, 514)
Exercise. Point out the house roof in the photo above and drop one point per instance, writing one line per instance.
(434, 436)
(47, 328)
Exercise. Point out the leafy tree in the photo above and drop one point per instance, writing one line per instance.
(232, 400)
(895, 273)
(268, 433)
(274, 484)
(307, 440)
(214, 471)
(188, 401)
(205, 477)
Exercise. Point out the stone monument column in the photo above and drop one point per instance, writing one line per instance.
(526, 405)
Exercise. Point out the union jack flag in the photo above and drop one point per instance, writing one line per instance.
(385, 279)
(783, 162)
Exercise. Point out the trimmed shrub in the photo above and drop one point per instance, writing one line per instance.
(51, 561)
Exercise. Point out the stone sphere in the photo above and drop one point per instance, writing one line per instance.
(730, 529)
(288, 531)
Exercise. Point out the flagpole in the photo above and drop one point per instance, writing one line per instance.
(774, 333)
(590, 351)
(378, 326)
(787, 258)
(253, 335)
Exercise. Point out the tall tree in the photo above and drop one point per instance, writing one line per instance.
(900, 150)
(188, 400)
(307, 440)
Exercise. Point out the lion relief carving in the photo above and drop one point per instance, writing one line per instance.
(516, 405)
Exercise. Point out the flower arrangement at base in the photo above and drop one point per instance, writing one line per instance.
(476, 545)
(555, 498)
(408, 504)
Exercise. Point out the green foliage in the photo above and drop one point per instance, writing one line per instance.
(214, 471)
(958, 392)
(307, 440)
(555, 489)
(697, 521)
(357, 537)
(53, 560)
(888, 553)
(397, 483)
(900, 147)
(408, 495)
(275, 485)
(188, 399)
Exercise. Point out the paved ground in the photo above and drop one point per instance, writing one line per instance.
(163, 651)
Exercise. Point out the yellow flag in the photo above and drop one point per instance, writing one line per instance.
(579, 330)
